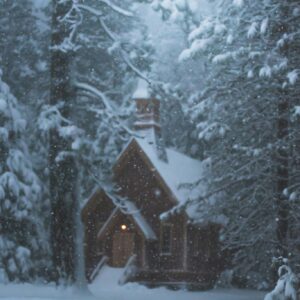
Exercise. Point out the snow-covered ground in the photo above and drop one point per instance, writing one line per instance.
(105, 287)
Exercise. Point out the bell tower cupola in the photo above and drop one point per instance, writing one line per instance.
(147, 122)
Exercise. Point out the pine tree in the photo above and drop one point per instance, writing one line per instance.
(24, 57)
(21, 230)
(247, 118)
(254, 69)
(62, 164)
(114, 49)
(24, 50)
(79, 93)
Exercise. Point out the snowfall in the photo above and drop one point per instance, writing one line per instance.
(106, 287)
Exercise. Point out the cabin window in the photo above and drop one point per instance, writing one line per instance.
(166, 239)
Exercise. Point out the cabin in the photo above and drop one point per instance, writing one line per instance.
(142, 223)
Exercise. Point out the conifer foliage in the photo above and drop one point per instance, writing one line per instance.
(21, 246)
(246, 115)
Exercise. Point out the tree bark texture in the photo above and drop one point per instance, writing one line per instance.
(63, 173)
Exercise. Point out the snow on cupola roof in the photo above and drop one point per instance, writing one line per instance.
(142, 90)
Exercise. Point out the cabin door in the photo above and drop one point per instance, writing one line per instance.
(123, 248)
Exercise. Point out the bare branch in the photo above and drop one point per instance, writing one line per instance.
(109, 4)
(123, 53)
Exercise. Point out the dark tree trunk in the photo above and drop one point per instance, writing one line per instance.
(63, 173)
(283, 150)
(282, 175)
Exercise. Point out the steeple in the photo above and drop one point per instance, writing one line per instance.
(147, 118)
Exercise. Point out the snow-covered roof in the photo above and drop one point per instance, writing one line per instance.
(133, 211)
(142, 91)
(106, 224)
(128, 208)
(183, 175)
(179, 172)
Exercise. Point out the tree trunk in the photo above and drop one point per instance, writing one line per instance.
(282, 175)
(62, 168)
(283, 150)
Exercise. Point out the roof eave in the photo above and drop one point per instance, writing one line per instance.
(108, 224)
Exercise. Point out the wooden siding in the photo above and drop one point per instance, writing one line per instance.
(137, 241)
(203, 250)
(174, 260)
(94, 218)
(139, 183)
(122, 248)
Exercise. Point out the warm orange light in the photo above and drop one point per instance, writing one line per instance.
(123, 227)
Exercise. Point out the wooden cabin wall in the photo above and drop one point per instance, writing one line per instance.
(204, 250)
(174, 261)
(95, 217)
(152, 255)
(140, 185)
(109, 236)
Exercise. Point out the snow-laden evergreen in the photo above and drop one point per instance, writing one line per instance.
(246, 118)
(95, 55)
(114, 50)
(22, 244)
(227, 75)
(286, 287)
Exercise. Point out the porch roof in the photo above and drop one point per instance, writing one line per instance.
(128, 208)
